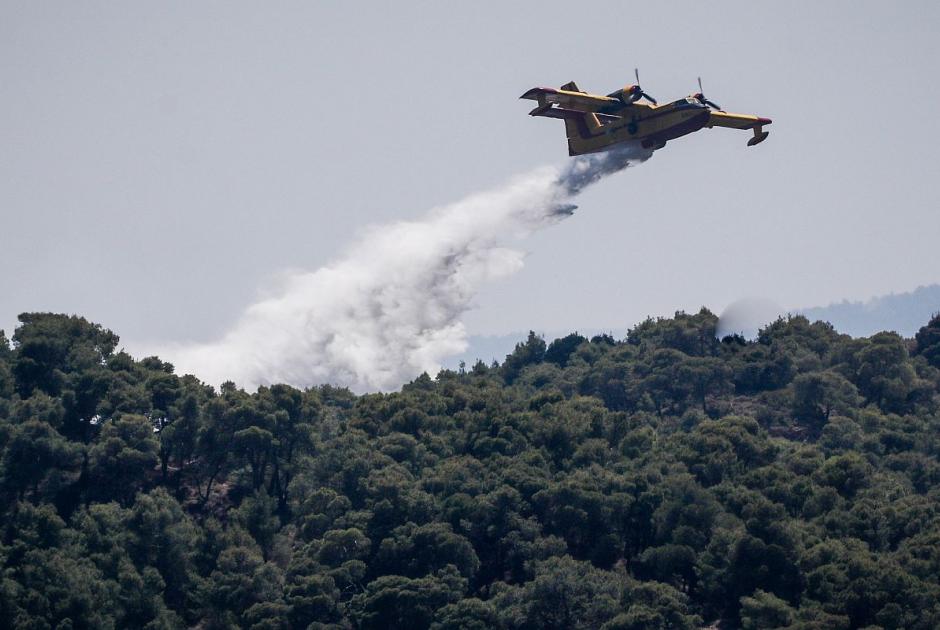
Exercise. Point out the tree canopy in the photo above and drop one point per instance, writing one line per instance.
(668, 480)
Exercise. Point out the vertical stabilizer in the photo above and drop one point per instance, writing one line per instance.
(579, 129)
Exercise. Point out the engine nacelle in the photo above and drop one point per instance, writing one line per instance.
(628, 95)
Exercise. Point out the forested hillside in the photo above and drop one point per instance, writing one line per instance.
(669, 480)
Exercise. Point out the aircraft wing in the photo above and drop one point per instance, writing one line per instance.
(571, 100)
(564, 114)
(740, 121)
(735, 121)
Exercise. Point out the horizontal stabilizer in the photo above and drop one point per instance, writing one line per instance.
(536, 92)
(571, 99)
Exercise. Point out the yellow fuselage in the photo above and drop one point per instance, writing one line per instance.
(651, 125)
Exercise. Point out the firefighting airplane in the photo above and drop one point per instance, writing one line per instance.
(596, 123)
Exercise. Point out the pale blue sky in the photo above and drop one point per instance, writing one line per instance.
(162, 162)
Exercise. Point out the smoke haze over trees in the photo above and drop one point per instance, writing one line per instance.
(903, 313)
(667, 480)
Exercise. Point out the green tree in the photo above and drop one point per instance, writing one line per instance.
(64, 356)
(560, 350)
(37, 461)
(928, 341)
(295, 417)
(467, 614)
(816, 395)
(167, 539)
(764, 611)
(846, 473)
(529, 352)
(706, 376)
(313, 597)
(394, 602)
(884, 374)
(564, 594)
(415, 551)
(49, 347)
(122, 458)
(241, 580)
(693, 335)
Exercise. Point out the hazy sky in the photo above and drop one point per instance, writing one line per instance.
(162, 163)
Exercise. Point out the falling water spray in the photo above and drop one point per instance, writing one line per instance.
(391, 307)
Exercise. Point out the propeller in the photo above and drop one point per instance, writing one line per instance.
(704, 101)
(639, 90)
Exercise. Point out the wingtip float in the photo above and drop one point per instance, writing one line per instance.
(595, 123)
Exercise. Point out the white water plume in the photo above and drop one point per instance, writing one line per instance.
(390, 308)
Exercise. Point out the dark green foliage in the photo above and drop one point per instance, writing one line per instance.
(37, 460)
(52, 351)
(122, 457)
(816, 395)
(528, 353)
(419, 550)
(693, 335)
(394, 602)
(667, 481)
(884, 373)
(764, 611)
(927, 341)
(565, 593)
(560, 350)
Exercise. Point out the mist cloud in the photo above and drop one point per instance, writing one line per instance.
(747, 316)
(390, 308)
